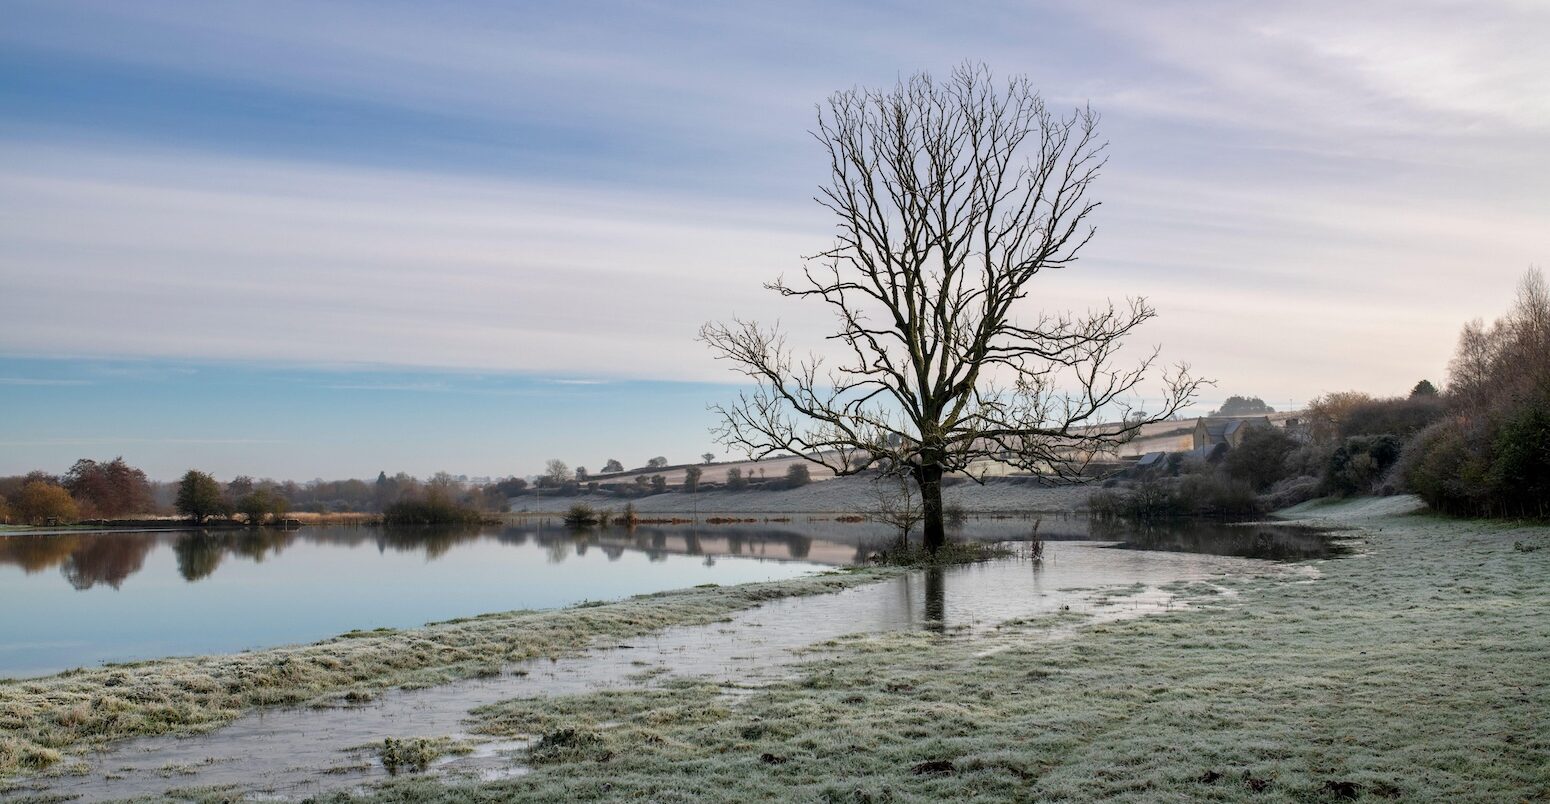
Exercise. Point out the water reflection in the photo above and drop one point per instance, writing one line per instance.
(135, 595)
(109, 558)
(89, 559)
(1249, 540)
(936, 600)
(307, 751)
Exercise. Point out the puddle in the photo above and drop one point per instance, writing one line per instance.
(294, 753)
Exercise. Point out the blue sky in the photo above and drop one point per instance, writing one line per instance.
(221, 223)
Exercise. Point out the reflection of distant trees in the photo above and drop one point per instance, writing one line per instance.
(434, 540)
(34, 554)
(512, 535)
(106, 558)
(87, 559)
(255, 544)
(1273, 542)
(198, 554)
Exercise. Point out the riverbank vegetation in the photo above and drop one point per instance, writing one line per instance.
(1268, 688)
(435, 507)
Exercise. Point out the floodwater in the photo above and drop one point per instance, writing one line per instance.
(294, 753)
(81, 599)
(125, 596)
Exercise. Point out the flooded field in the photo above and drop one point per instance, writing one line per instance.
(292, 753)
(115, 597)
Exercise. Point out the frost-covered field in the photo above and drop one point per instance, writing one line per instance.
(1418, 670)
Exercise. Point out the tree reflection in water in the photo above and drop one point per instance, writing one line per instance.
(199, 553)
(109, 558)
(88, 559)
(97, 560)
(1269, 541)
(936, 600)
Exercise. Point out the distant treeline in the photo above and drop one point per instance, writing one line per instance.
(93, 490)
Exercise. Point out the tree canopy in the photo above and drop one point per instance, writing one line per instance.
(1243, 406)
(199, 496)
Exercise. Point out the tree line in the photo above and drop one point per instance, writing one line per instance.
(98, 490)
(1478, 447)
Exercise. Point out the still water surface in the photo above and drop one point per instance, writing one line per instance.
(81, 599)
(77, 600)
(293, 753)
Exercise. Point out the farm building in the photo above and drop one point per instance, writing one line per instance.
(1229, 430)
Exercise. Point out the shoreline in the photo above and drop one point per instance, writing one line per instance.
(43, 721)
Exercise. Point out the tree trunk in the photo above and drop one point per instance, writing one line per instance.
(934, 533)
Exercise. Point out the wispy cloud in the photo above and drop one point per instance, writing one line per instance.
(526, 189)
(46, 381)
(416, 387)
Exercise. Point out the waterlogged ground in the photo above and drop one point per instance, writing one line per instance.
(141, 595)
(126, 596)
(298, 752)
(1416, 670)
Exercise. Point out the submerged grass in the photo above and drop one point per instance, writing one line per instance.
(415, 754)
(915, 555)
(43, 719)
(1416, 670)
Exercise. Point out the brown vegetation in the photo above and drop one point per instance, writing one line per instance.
(43, 503)
(1491, 455)
(111, 489)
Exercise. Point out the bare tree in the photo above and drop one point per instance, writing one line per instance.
(950, 198)
(896, 504)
